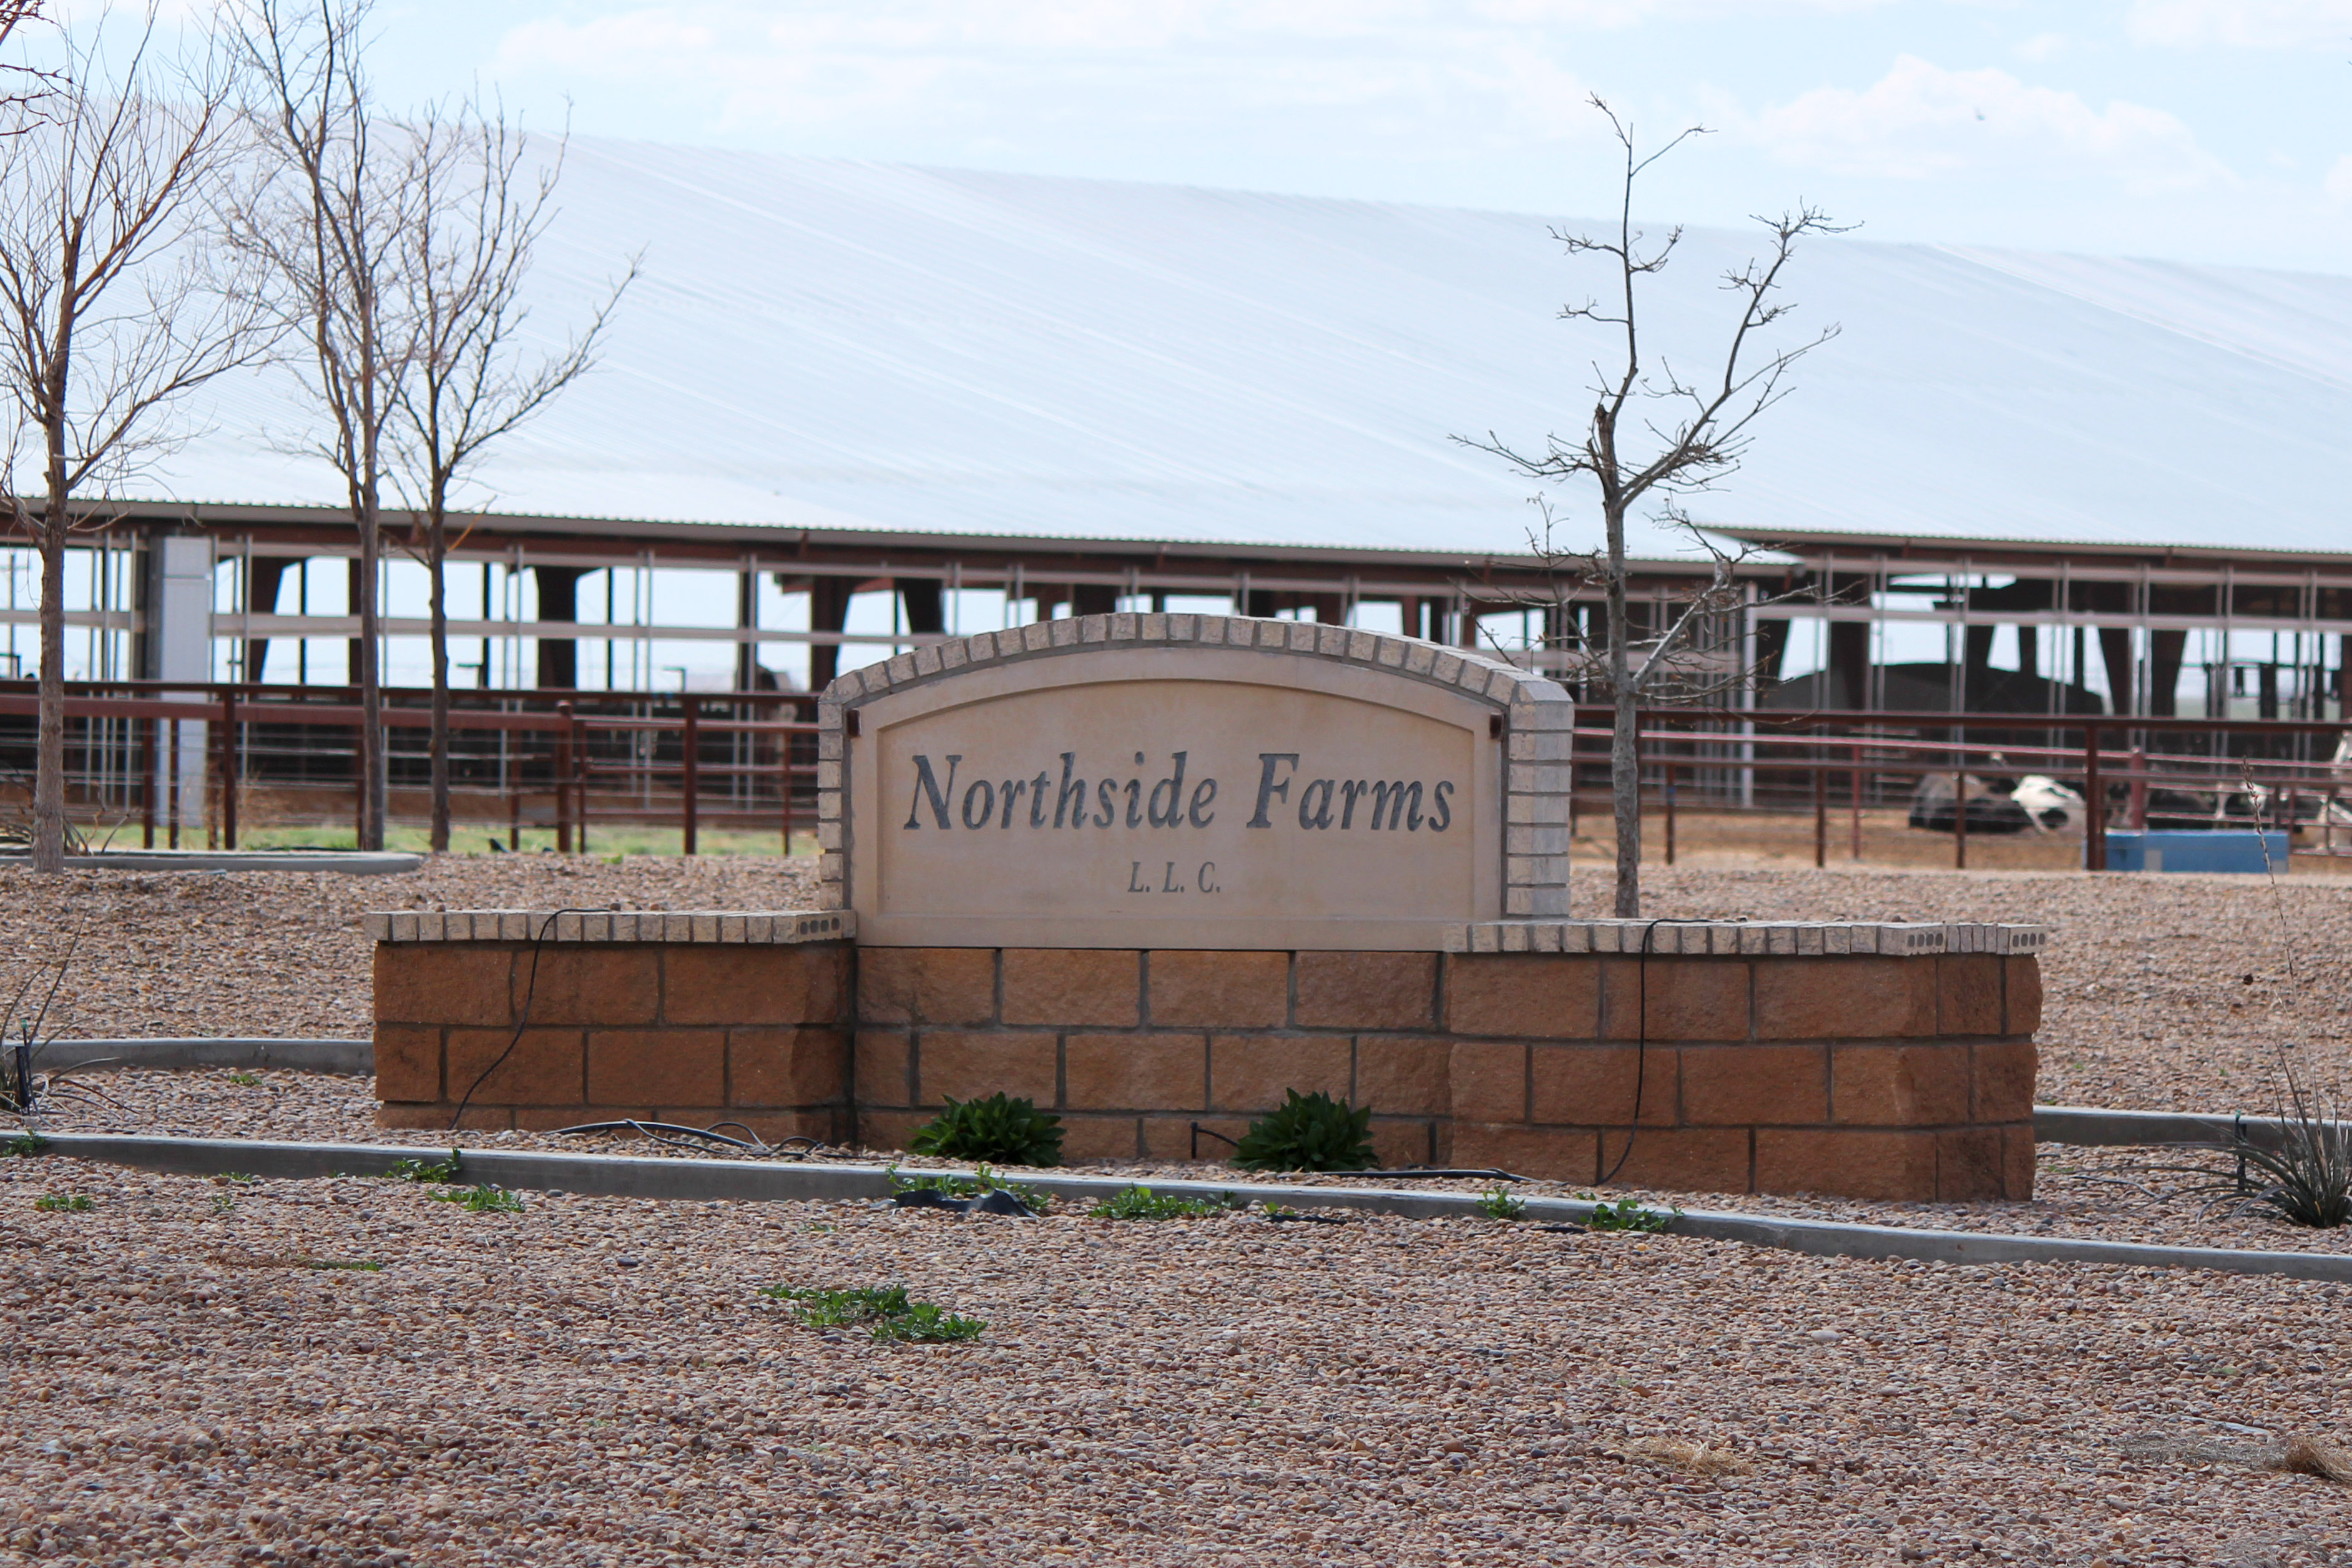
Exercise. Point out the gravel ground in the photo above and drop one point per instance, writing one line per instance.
(597, 1381)
(2115, 1194)
(2164, 992)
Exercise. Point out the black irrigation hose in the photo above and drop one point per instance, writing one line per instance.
(529, 992)
(1642, 1036)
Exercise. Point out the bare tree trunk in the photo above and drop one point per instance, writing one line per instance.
(373, 799)
(1624, 738)
(49, 765)
(436, 550)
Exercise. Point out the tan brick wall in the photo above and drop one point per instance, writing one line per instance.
(1862, 1075)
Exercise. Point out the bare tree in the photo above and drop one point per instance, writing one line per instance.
(108, 313)
(480, 217)
(26, 85)
(1691, 433)
(326, 220)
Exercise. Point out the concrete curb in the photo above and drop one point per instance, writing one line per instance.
(2087, 1126)
(351, 862)
(744, 1180)
(353, 1058)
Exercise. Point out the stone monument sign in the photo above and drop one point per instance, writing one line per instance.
(1192, 781)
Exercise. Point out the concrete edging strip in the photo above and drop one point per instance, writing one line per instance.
(2088, 1127)
(350, 1058)
(349, 862)
(606, 1175)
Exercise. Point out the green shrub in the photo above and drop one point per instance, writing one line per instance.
(436, 1170)
(1308, 1133)
(882, 1311)
(1625, 1213)
(1009, 1132)
(1500, 1204)
(62, 1203)
(1142, 1203)
(980, 1184)
(484, 1199)
(25, 1145)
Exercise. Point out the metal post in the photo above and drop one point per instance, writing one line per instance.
(565, 744)
(580, 775)
(229, 769)
(785, 713)
(2095, 802)
(1821, 810)
(691, 739)
(147, 791)
(2139, 816)
(1853, 780)
(1670, 814)
(1960, 817)
(172, 796)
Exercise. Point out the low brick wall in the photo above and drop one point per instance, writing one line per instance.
(1902, 1070)
(675, 1030)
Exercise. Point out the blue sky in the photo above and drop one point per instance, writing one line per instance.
(2198, 129)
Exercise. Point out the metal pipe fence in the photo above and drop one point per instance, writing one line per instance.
(173, 760)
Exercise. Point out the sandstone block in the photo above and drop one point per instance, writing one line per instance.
(1899, 1086)
(408, 1062)
(1100, 1137)
(1252, 1072)
(1366, 990)
(1137, 1072)
(1595, 1086)
(953, 1065)
(1750, 1086)
(767, 985)
(1171, 1137)
(597, 985)
(1972, 1165)
(1220, 990)
(1073, 987)
(1489, 1080)
(543, 1069)
(1846, 1163)
(2022, 1010)
(1678, 1159)
(780, 1068)
(657, 1066)
(1844, 998)
(1553, 1153)
(2004, 1080)
(884, 1066)
(1405, 1141)
(459, 983)
(1967, 993)
(414, 1118)
(1403, 1077)
(1524, 995)
(1688, 999)
(2017, 1161)
(925, 984)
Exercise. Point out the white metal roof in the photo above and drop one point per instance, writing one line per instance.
(832, 343)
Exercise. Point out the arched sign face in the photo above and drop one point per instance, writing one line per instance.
(1126, 795)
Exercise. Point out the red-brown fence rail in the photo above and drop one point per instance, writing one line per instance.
(175, 758)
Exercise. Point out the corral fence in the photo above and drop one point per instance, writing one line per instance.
(172, 761)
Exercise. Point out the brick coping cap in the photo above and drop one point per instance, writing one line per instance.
(1802, 939)
(764, 928)
(1663, 937)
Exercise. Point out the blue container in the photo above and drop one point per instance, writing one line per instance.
(2175, 849)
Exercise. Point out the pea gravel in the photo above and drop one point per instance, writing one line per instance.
(599, 1382)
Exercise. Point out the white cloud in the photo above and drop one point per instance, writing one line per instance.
(2338, 183)
(1920, 121)
(2241, 24)
(2042, 47)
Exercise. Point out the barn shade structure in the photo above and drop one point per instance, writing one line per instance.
(838, 379)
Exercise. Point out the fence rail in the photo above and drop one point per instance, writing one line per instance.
(176, 758)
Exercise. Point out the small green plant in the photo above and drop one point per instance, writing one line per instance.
(1309, 1133)
(483, 1199)
(25, 1145)
(1142, 1203)
(62, 1203)
(356, 1265)
(439, 1172)
(246, 1079)
(882, 1311)
(236, 1179)
(1009, 1131)
(980, 1184)
(223, 1204)
(1500, 1204)
(1626, 1213)
(2304, 1177)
